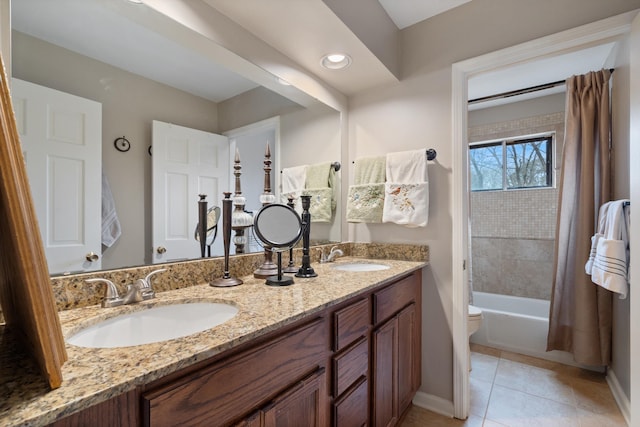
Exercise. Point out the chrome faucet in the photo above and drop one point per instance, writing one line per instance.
(334, 253)
(113, 299)
(145, 284)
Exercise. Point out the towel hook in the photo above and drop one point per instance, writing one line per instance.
(431, 154)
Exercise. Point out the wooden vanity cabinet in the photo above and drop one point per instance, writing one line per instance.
(396, 343)
(276, 373)
(352, 365)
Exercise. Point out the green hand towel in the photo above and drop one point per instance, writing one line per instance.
(370, 170)
(318, 175)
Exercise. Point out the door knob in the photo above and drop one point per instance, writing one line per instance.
(92, 257)
(161, 250)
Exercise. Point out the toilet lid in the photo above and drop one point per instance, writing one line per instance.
(474, 311)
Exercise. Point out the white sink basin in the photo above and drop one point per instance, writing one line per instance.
(155, 324)
(360, 266)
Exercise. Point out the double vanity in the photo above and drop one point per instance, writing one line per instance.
(339, 349)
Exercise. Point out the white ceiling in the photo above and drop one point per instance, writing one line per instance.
(405, 13)
(303, 31)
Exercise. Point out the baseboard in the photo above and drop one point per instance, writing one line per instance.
(618, 394)
(434, 403)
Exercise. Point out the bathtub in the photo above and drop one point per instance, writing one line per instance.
(516, 324)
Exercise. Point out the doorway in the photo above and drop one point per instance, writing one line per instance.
(601, 32)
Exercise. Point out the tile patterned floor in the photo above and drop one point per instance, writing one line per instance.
(513, 390)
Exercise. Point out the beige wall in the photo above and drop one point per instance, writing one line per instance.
(416, 113)
(312, 136)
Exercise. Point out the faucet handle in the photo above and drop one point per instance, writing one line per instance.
(145, 284)
(147, 278)
(111, 297)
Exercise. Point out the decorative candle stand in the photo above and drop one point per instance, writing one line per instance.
(268, 267)
(240, 220)
(291, 268)
(226, 280)
(306, 270)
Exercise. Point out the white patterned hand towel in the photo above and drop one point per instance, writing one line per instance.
(292, 183)
(610, 263)
(406, 199)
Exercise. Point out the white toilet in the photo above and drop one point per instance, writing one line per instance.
(474, 320)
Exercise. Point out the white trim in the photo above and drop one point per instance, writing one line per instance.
(618, 394)
(634, 238)
(460, 223)
(604, 31)
(433, 403)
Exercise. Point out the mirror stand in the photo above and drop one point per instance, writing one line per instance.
(226, 280)
(291, 268)
(279, 279)
(279, 227)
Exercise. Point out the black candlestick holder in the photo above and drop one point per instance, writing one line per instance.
(306, 270)
(226, 280)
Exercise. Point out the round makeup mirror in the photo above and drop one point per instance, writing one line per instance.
(213, 215)
(279, 227)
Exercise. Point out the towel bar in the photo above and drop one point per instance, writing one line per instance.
(335, 165)
(431, 155)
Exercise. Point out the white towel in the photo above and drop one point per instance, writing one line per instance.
(610, 264)
(602, 220)
(406, 199)
(292, 184)
(111, 230)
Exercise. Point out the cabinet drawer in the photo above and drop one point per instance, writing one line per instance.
(392, 299)
(233, 386)
(351, 323)
(352, 410)
(349, 366)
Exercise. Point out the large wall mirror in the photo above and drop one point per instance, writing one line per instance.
(138, 66)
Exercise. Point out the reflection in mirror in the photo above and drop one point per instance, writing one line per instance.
(210, 228)
(278, 227)
(47, 53)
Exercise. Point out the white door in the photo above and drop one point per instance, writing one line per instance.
(186, 162)
(61, 138)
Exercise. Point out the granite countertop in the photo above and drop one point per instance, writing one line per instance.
(93, 375)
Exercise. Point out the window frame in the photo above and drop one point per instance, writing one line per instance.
(550, 137)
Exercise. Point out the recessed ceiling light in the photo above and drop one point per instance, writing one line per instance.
(136, 1)
(335, 61)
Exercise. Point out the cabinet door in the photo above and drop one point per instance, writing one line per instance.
(253, 420)
(305, 404)
(408, 372)
(385, 374)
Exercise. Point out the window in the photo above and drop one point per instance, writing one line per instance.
(511, 164)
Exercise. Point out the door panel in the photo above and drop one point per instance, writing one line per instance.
(61, 137)
(186, 162)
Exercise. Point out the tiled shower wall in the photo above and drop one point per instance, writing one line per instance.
(512, 232)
